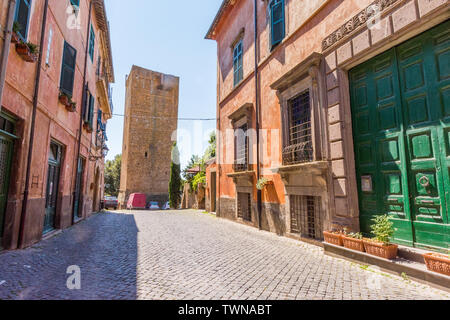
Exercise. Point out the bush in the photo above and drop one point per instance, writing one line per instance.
(199, 178)
(383, 229)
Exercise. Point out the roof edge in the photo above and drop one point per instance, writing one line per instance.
(218, 17)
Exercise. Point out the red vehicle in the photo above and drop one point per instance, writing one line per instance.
(137, 201)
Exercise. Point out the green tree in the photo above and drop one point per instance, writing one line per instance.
(175, 179)
(211, 150)
(112, 176)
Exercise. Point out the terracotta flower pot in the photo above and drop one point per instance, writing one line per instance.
(437, 263)
(14, 37)
(353, 243)
(333, 238)
(24, 52)
(71, 107)
(380, 249)
(64, 99)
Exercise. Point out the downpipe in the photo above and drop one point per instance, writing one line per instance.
(257, 107)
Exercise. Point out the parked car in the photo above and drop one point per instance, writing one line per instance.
(137, 201)
(110, 202)
(154, 205)
(166, 206)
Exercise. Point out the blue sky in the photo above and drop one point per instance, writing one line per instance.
(168, 37)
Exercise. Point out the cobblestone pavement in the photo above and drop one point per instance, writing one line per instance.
(189, 255)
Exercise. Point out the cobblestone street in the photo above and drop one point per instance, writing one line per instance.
(189, 255)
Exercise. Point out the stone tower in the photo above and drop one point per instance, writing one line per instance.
(151, 117)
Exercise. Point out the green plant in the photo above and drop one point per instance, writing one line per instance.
(383, 229)
(261, 183)
(200, 178)
(357, 235)
(34, 49)
(16, 27)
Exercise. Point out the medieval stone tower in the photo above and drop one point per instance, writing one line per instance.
(151, 113)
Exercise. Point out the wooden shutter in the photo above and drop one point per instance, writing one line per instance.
(92, 44)
(277, 21)
(22, 17)
(91, 110)
(68, 69)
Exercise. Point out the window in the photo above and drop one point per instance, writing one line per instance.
(68, 69)
(92, 44)
(49, 46)
(23, 9)
(237, 63)
(277, 25)
(89, 110)
(75, 3)
(305, 216)
(241, 149)
(299, 148)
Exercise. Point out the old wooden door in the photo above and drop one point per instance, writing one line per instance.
(401, 121)
(6, 145)
(54, 164)
(77, 212)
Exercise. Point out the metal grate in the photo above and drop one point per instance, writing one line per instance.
(241, 149)
(299, 148)
(306, 216)
(245, 206)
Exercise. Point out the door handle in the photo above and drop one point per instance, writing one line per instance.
(424, 182)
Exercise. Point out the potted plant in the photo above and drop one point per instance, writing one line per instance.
(381, 245)
(28, 51)
(87, 126)
(64, 98)
(15, 29)
(262, 183)
(438, 262)
(353, 241)
(71, 107)
(333, 237)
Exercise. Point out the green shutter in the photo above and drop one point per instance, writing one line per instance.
(68, 69)
(92, 44)
(277, 22)
(237, 63)
(91, 111)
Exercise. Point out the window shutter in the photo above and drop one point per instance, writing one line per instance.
(92, 44)
(22, 17)
(91, 110)
(68, 69)
(277, 21)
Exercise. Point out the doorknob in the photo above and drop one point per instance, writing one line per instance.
(424, 182)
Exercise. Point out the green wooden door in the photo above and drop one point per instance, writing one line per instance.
(401, 122)
(6, 145)
(51, 199)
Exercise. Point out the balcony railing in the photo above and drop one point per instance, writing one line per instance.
(298, 153)
(241, 165)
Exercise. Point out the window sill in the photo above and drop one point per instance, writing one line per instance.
(318, 167)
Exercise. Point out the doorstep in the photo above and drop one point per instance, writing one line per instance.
(413, 269)
(51, 234)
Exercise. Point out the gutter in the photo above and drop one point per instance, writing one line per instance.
(6, 46)
(83, 105)
(257, 107)
(33, 125)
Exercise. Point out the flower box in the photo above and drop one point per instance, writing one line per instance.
(381, 250)
(71, 107)
(24, 52)
(333, 238)
(64, 99)
(437, 262)
(14, 38)
(353, 243)
(87, 127)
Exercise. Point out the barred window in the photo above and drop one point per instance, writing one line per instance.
(241, 149)
(300, 147)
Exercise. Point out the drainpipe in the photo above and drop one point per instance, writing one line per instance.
(257, 102)
(83, 102)
(33, 123)
(6, 45)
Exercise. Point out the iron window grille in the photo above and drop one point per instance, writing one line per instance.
(299, 148)
(245, 206)
(305, 216)
(241, 149)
